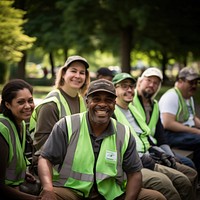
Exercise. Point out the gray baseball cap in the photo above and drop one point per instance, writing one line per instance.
(71, 59)
(189, 73)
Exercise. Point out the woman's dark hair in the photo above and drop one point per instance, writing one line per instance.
(9, 92)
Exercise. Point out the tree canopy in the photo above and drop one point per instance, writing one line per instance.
(13, 40)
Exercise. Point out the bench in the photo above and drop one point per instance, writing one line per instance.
(185, 153)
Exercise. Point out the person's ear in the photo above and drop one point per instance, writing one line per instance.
(7, 105)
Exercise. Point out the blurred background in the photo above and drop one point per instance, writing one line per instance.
(36, 37)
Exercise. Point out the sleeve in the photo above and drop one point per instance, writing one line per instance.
(4, 152)
(160, 134)
(168, 103)
(131, 162)
(55, 147)
(47, 117)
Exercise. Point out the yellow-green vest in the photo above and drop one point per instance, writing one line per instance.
(182, 114)
(17, 163)
(142, 143)
(62, 105)
(77, 170)
(154, 116)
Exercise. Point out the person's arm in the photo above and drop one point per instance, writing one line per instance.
(197, 122)
(170, 123)
(45, 170)
(47, 117)
(134, 180)
(5, 190)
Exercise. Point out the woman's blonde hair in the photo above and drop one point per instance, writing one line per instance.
(60, 80)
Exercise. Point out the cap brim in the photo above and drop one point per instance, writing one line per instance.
(101, 90)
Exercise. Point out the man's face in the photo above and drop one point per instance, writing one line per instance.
(101, 106)
(189, 87)
(149, 86)
(125, 91)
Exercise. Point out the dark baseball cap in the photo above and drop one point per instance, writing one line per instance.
(122, 76)
(104, 71)
(101, 85)
(71, 59)
(189, 73)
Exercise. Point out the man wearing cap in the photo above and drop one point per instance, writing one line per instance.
(155, 176)
(93, 153)
(105, 73)
(178, 114)
(65, 99)
(148, 85)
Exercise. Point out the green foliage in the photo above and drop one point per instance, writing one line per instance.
(12, 38)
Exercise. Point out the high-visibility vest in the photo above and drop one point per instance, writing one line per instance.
(154, 116)
(142, 143)
(79, 169)
(63, 108)
(62, 105)
(183, 114)
(17, 163)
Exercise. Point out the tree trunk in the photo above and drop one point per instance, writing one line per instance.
(22, 67)
(125, 49)
(65, 54)
(52, 64)
(164, 63)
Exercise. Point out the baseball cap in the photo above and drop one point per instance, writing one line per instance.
(71, 59)
(122, 76)
(101, 85)
(152, 71)
(189, 73)
(104, 72)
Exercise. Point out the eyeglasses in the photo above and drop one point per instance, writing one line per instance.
(125, 86)
(194, 82)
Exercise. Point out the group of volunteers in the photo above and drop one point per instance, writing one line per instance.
(104, 139)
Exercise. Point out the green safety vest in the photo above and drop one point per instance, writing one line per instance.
(182, 114)
(142, 143)
(63, 108)
(77, 170)
(17, 163)
(62, 105)
(154, 116)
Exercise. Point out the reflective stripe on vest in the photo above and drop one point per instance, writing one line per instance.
(182, 114)
(154, 116)
(142, 143)
(78, 168)
(15, 172)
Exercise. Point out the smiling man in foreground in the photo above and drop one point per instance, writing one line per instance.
(93, 153)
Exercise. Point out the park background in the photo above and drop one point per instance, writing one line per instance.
(36, 37)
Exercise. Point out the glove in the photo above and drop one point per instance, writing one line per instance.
(173, 162)
(162, 158)
(148, 162)
(48, 195)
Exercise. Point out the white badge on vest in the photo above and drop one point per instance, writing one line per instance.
(110, 155)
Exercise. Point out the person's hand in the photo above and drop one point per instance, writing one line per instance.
(30, 178)
(173, 162)
(48, 195)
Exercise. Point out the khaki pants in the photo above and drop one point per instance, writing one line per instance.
(183, 182)
(145, 194)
